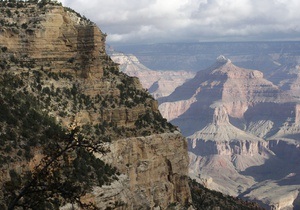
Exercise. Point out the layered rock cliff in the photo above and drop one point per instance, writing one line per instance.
(237, 89)
(243, 133)
(52, 39)
(153, 172)
(59, 59)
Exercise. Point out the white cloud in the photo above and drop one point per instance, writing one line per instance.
(134, 21)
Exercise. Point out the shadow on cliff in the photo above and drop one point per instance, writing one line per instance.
(281, 171)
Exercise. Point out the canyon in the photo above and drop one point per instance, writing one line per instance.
(77, 132)
(242, 129)
(242, 132)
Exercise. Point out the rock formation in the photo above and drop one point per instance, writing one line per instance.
(60, 58)
(242, 133)
(153, 172)
(158, 83)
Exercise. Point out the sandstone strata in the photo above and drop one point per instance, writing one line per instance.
(59, 53)
(241, 129)
(154, 172)
(52, 39)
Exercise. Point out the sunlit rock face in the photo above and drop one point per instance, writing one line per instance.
(241, 130)
(55, 37)
(153, 166)
(67, 52)
(223, 84)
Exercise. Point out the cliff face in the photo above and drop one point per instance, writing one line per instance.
(61, 60)
(57, 38)
(240, 128)
(153, 172)
(237, 89)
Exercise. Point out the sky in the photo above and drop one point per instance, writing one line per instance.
(165, 21)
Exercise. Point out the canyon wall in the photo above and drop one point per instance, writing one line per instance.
(153, 168)
(61, 59)
(242, 131)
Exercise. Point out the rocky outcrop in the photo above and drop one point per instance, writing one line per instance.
(220, 151)
(154, 171)
(60, 58)
(52, 39)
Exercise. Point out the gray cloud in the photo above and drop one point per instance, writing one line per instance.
(148, 21)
